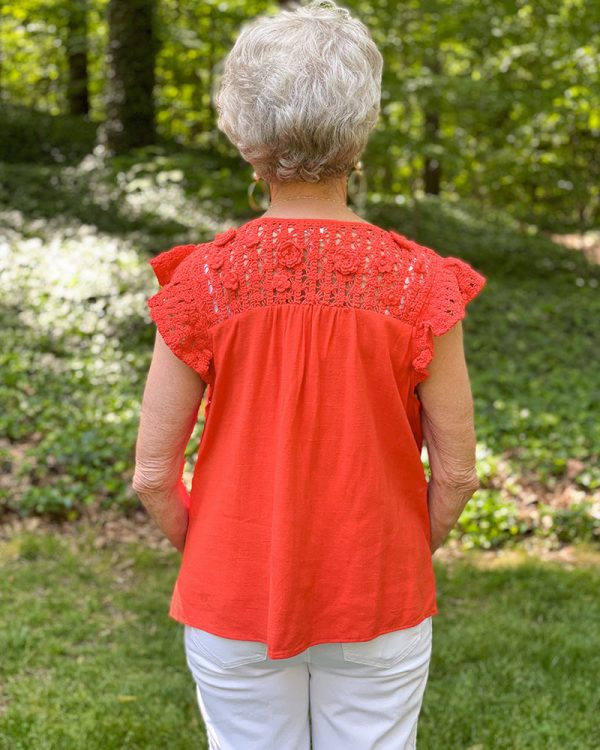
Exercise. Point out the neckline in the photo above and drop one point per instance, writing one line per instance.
(317, 220)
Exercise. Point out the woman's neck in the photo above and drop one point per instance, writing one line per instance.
(317, 200)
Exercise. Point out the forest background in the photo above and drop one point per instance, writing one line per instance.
(486, 148)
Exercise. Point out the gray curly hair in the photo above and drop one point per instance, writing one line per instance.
(299, 92)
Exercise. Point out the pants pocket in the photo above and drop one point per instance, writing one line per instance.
(223, 652)
(388, 649)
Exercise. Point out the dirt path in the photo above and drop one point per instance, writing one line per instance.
(588, 244)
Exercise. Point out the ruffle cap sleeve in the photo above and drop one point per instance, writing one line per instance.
(454, 284)
(165, 263)
(179, 309)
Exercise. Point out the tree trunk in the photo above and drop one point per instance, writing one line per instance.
(77, 59)
(432, 168)
(132, 46)
(212, 113)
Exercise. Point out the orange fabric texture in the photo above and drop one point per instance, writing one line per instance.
(308, 518)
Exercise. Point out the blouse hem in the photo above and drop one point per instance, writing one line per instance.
(176, 615)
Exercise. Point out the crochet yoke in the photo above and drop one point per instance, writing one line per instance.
(277, 261)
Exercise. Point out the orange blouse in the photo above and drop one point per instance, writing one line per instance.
(308, 520)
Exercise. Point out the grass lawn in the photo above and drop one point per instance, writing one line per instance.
(90, 659)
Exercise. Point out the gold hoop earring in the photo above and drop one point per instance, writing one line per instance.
(357, 186)
(266, 199)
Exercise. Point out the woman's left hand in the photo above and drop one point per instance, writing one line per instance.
(169, 510)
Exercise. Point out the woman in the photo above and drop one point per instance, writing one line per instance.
(306, 586)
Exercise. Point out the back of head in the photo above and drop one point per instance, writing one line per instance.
(300, 91)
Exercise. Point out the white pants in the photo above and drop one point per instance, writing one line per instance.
(363, 695)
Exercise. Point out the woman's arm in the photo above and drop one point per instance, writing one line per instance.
(170, 404)
(447, 419)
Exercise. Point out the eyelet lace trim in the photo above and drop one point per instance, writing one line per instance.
(454, 284)
(179, 313)
(271, 261)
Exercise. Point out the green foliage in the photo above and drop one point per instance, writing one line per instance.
(73, 356)
(38, 137)
(488, 521)
(510, 83)
(580, 522)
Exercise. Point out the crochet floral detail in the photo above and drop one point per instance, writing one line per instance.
(419, 265)
(281, 281)
(230, 279)
(217, 259)
(346, 261)
(290, 254)
(384, 264)
(391, 297)
(224, 237)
